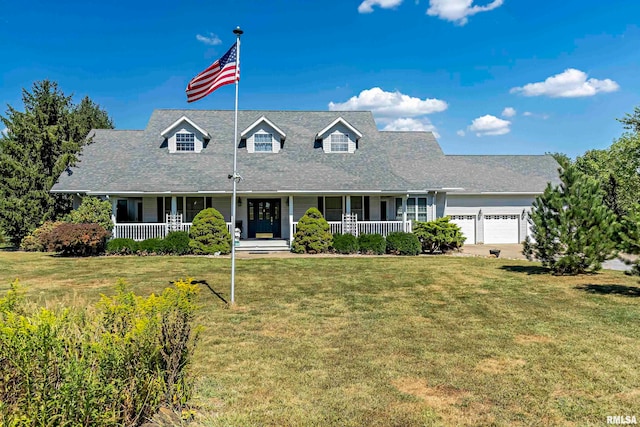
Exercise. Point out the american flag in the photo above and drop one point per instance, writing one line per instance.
(220, 73)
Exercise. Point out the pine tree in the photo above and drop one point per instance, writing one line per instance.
(573, 229)
(40, 143)
(630, 238)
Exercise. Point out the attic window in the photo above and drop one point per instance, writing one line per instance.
(185, 142)
(263, 142)
(339, 142)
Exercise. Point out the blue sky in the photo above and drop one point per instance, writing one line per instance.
(488, 76)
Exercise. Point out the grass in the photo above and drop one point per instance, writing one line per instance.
(386, 341)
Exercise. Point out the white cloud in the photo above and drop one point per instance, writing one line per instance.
(211, 39)
(460, 133)
(571, 83)
(367, 5)
(543, 116)
(509, 112)
(489, 125)
(411, 125)
(458, 10)
(390, 104)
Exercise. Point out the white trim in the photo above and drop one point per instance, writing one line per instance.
(165, 133)
(321, 134)
(257, 122)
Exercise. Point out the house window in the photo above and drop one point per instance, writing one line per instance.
(185, 142)
(333, 208)
(357, 207)
(416, 209)
(263, 142)
(339, 142)
(194, 205)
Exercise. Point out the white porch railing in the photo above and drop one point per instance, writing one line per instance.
(367, 227)
(148, 230)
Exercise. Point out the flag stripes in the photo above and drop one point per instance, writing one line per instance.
(222, 72)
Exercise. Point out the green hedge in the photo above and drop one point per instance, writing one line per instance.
(176, 243)
(345, 243)
(372, 244)
(439, 235)
(122, 246)
(209, 233)
(401, 243)
(313, 234)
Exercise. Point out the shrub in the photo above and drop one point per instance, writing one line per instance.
(439, 235)
(345, 243)
(177, 243)
(36, 241)
(372, 244)
(401, 243)
(76, 239)
(313, 234)
(209, 233)
(155, 245)
(122, 246)
(92, 211)
(112, 364)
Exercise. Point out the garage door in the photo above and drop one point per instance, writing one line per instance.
(467, 224)
(501, 229)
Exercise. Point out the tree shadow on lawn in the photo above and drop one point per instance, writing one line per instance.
(528, 269)
(628, 291)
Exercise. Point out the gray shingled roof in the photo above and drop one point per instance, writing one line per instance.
(139, 161)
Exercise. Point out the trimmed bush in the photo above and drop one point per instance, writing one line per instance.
(122, 246)
(372, 244)
(209, 233)
(313, 234)
(401, 243)
(113, 364)
(77, 239)
(92, 211)
(36, 241)
(439, 235)
(345, 243)
(155, 245)
(176, 243)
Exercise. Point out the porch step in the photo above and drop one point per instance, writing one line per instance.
(266, 245)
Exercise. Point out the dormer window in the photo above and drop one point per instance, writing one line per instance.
(339, 142)
(185, 142)
(263, 142)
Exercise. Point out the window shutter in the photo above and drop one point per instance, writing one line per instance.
(321, 205)
(160, 207)
(366, 208)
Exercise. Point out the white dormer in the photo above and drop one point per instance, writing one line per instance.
(184, 136)
(263, 137)
(339, 137)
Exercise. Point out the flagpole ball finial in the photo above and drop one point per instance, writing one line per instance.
(238, 31)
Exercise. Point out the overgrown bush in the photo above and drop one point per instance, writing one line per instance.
(122, 246)
(401, 243)
(176, 243)
(155, 245)
(76, 239)
(209, 233)
(37, 240)
(438, 235)
(109, 365)
(345, 243)
(313, 234)
(372, 244)
(92, 211)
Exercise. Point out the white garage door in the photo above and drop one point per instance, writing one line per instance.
(467, 224)
(501, 229)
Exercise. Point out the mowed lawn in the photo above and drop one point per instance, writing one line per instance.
(386, 341)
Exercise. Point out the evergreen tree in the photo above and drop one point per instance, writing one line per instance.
(40, 143)
(630, 238)
(573, 230)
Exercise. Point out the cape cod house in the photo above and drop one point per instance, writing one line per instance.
(362, 179)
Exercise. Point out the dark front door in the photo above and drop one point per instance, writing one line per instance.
(264, 218)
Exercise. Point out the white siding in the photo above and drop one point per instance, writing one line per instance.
(301, 204)
(374, 208)
(263, 128)
(339, 128)
(150, 210)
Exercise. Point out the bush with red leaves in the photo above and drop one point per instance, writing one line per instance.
(77, 239)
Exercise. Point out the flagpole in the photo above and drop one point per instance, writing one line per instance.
(236, 177)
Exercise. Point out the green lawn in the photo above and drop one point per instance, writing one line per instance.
(386, 341)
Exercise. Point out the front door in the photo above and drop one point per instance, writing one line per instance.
(264, 218)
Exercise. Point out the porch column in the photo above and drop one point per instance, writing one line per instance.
(290, 220)
(114, 209)
(347, 204)
(174, 205)
(404, 213)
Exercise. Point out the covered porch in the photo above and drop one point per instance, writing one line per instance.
(272, 216)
